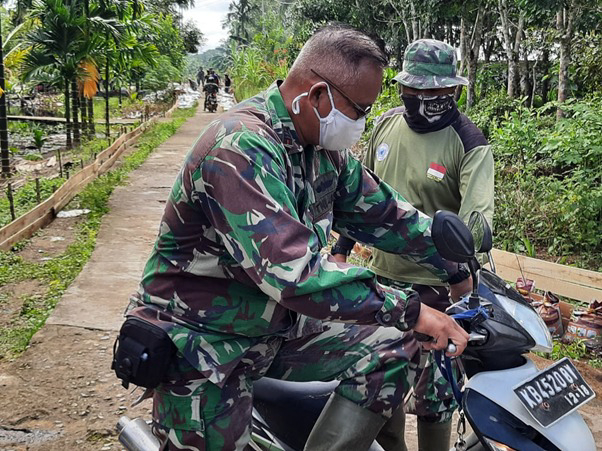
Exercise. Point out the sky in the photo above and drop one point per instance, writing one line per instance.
(208, 15)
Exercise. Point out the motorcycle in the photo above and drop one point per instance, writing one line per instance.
(508, 403)
(211, 90)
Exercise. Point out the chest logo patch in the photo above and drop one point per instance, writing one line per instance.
(382, 151)
(436, 172)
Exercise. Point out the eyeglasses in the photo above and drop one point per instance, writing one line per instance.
(361, 112)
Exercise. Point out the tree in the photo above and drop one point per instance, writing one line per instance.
(60, 43)
(4, 153)
(513, 24)
(192, 37)
(472, 47)
(240, 18)
(565, 19)
(565, 27)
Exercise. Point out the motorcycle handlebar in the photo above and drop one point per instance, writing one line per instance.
(474, 338)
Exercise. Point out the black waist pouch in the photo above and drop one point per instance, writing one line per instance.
(143, 350)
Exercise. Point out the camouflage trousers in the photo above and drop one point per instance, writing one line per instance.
(432, 399)
(374, 365)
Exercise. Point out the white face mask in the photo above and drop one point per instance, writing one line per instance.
(337, 131)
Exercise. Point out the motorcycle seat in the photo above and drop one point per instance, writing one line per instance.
(275, 390)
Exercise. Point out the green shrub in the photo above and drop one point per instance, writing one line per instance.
(548, 180)
(32, 157)
(256, 66)
(158, 77)
(493, 110)
(39, 138)
(387, 99)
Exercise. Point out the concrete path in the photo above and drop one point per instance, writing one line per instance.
(98, 296)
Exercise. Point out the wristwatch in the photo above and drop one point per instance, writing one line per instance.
(336, 249)
(460, 276)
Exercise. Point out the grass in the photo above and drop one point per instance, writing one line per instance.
(25, 198)
(58, 273)
(33, 157)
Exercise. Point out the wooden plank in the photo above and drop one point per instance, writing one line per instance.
(66, 192)
(28, 231)
(66, 188)
(50, 119)
(107, 152)
(75, 191)
(105, 166)
(573, 283)
(60, 202)
(169, 112)
(22, 221)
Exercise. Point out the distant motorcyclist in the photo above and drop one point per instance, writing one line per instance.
(210, 89)
(212, 77)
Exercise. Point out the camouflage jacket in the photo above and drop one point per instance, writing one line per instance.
(238, 252)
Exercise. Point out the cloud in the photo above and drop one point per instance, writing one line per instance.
(209, 15)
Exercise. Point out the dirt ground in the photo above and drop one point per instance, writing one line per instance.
(61, 394)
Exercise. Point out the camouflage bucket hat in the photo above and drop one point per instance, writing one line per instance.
(429, 64)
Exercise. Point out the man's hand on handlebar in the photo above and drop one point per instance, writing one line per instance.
(442, 328)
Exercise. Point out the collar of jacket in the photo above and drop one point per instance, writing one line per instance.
(282, 123)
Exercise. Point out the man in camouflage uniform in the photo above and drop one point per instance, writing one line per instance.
(438, 160)
(237, 278)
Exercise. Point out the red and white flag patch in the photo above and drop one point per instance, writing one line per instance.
(436, 172)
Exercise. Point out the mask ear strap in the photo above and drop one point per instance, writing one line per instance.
(329, 94)
(332, 107)
(296, 109)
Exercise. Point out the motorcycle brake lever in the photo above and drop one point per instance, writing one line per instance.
(423, 337)
(451, 347)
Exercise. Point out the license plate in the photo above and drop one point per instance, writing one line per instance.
(553, 393)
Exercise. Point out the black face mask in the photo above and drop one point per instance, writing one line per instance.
(429, 113)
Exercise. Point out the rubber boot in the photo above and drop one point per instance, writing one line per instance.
(391, 436)
(344, 426)
(433, 436)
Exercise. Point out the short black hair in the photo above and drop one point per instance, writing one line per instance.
(354, 44)
(337, 51)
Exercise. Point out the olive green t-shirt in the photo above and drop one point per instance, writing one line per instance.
(450, 169)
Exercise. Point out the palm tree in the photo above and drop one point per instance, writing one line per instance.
(127, 53)
(240, 18)
(62, 42)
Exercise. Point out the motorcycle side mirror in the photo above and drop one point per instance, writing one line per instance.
(452, 238)
(455, 242)
(481, 232)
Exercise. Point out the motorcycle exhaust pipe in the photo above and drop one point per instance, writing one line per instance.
(136, 435)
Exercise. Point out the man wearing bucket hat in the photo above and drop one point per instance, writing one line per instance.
(438, 160)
